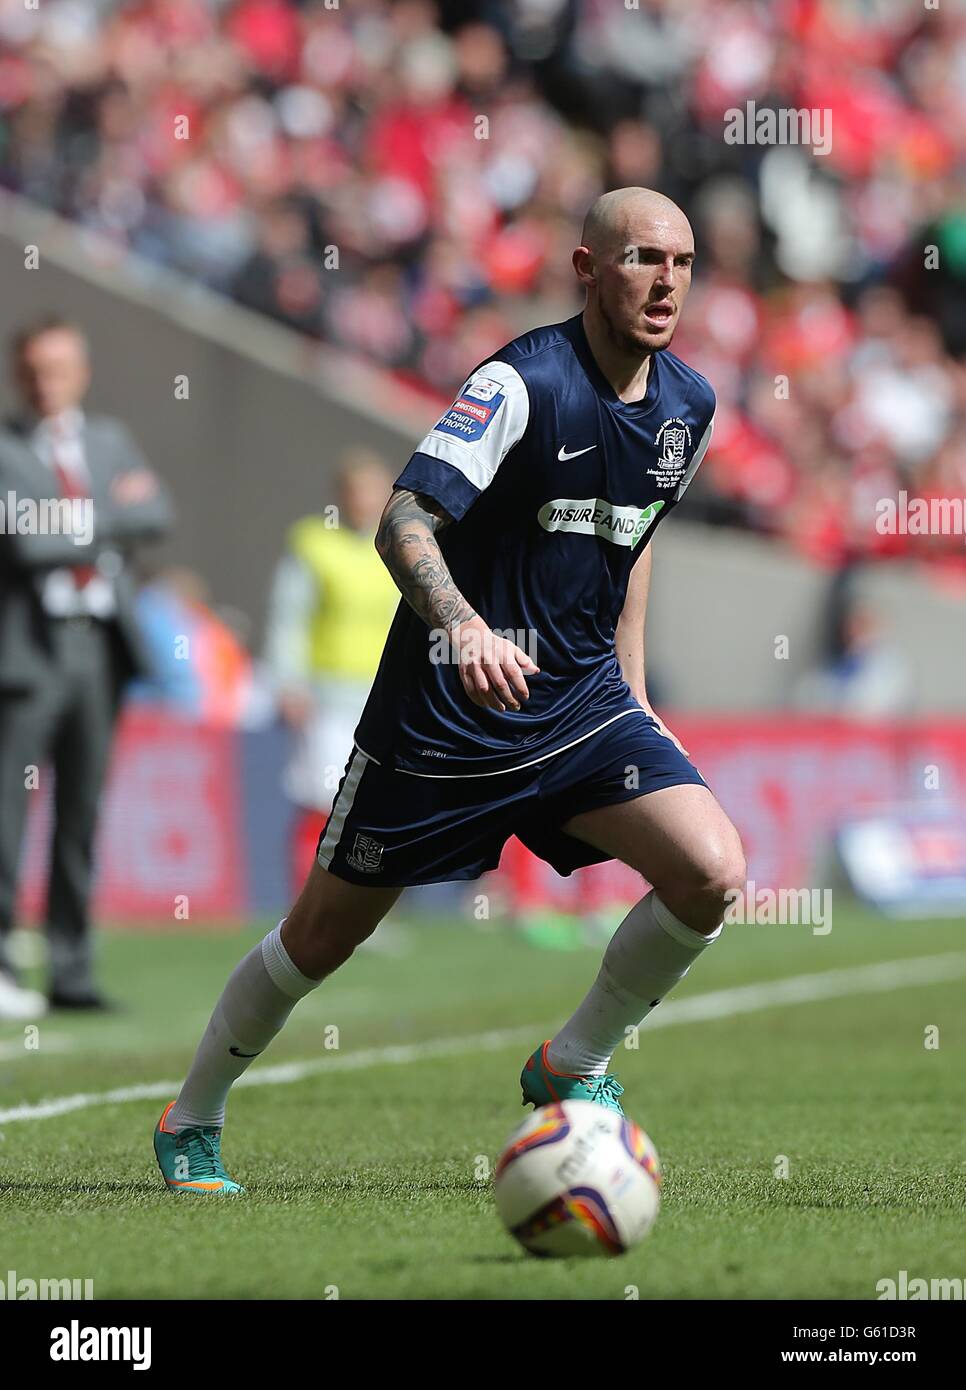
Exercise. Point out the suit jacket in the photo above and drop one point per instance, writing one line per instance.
(26, 647)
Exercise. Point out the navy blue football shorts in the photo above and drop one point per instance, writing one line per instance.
(396, 829)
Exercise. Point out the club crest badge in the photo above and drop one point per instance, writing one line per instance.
(674, 448)
(366, 855)
(673, 442)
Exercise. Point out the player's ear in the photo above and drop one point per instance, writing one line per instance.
(584, 266)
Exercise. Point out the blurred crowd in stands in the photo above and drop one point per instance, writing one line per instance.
(404, 180)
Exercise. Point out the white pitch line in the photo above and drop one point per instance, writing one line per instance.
(805, 989)
(721, 1003)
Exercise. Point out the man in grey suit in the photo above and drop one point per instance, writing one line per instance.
(77, 498)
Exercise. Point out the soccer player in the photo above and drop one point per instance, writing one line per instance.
(510, 698)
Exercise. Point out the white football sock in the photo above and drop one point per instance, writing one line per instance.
(649, 953)
(261, 992)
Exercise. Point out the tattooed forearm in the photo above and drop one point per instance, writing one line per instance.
(406, 541)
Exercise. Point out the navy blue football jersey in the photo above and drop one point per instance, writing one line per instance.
(555, 486)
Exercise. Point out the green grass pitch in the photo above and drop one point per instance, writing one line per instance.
(370, 1181)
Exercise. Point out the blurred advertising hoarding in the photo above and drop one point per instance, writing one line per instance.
(194, 826)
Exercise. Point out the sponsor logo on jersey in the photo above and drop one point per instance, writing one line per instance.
(469, 419)
(594, 516)
(366, 855)
(479, 412)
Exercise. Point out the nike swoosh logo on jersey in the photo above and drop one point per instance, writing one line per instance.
(235, 1053)
(563, 456)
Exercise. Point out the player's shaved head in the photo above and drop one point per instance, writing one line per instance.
(613, 221)
(634, 260)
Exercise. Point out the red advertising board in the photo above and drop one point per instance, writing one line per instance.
(174, 826)
(169, 840)
(788, 783)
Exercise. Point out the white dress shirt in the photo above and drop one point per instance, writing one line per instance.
(59, 440)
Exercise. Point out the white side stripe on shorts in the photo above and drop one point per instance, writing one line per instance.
(358, 762)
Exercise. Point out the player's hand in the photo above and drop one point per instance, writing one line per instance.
(664, 729)
(492, 669)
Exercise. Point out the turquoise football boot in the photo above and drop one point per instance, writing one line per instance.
(190, 1160)
(541, 1085)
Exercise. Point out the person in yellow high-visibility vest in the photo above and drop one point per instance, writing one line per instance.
(331, 605)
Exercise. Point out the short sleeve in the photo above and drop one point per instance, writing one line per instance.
(459, 457)
(696, 458)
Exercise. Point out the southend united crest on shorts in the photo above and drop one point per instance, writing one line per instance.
(366, 855)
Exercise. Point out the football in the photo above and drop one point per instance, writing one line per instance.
(578, 1179)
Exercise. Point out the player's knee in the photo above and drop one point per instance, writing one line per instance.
(719, 870)
(730, 875)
